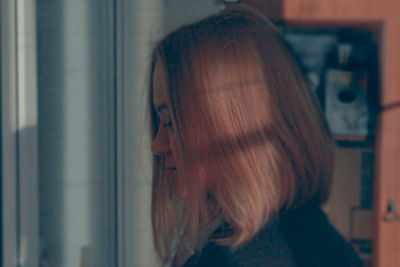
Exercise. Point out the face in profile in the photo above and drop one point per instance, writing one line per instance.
(165, 142)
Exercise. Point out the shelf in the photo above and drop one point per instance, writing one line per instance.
(352, 138)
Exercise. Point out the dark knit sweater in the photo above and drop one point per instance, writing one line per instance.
(302, 238)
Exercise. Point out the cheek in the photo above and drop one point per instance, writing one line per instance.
(207, 177)
(173, 144)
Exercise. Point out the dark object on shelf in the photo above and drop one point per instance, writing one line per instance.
(346, 105)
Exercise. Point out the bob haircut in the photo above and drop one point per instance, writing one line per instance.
(251, 134)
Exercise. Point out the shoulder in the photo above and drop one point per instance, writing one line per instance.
(300, 238)
(314, 241)
(267, 248)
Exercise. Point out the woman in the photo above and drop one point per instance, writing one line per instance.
(242, 155)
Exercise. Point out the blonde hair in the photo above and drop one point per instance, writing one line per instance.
(251, 133)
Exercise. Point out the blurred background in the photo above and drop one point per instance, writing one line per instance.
(76, 161)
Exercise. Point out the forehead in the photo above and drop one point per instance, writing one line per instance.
(160, 93)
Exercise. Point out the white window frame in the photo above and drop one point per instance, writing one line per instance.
(19, 134)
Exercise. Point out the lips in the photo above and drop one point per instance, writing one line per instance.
(170, 172)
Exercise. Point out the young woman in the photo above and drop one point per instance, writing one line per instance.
(242, 155)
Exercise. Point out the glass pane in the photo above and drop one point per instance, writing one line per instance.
(76, 133)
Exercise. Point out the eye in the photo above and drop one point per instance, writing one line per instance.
(168, 125)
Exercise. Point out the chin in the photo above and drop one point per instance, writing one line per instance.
(180, 189)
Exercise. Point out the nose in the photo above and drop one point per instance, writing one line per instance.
(160, 144)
